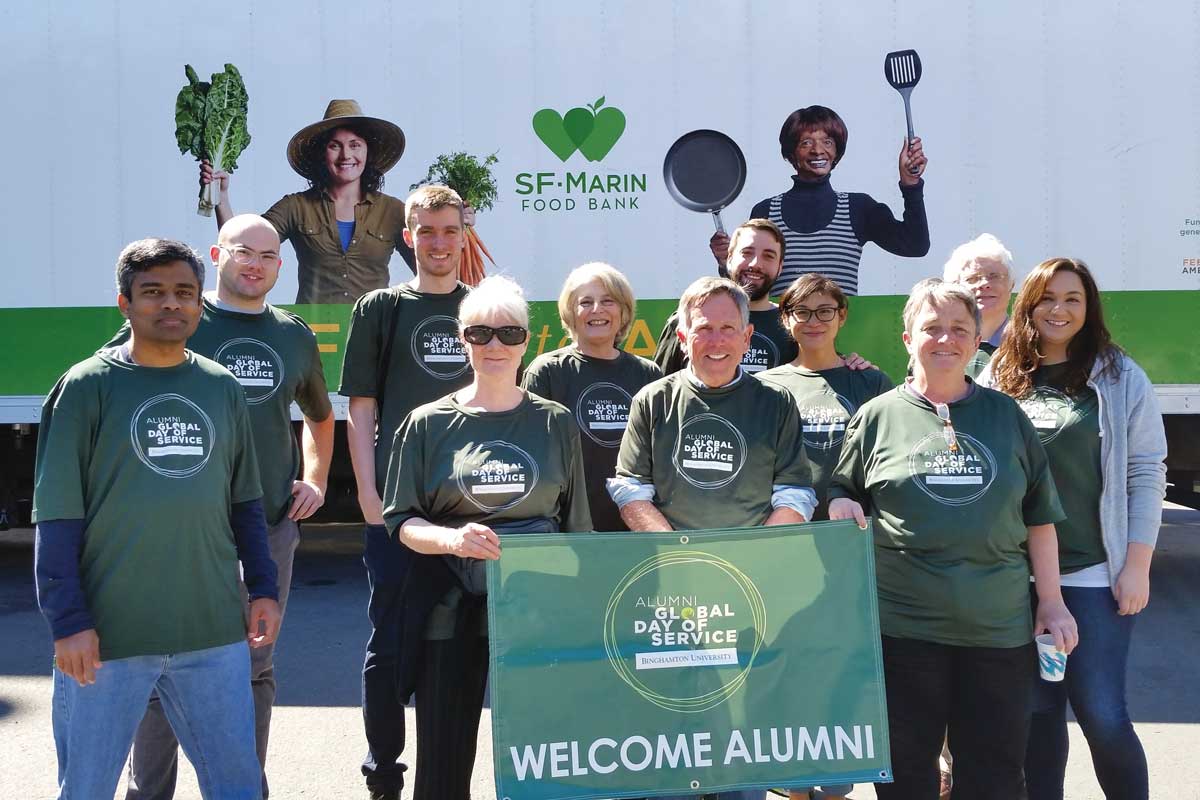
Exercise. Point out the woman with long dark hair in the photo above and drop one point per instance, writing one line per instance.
(1096, 414)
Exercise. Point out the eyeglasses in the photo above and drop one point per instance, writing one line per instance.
(943, 412)
(507, 334)
(824, 313)
(245, 256)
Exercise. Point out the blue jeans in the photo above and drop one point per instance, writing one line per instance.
(206, 696)
(154, 762)
(1095, 686)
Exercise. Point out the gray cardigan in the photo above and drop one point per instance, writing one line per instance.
(1133, 448)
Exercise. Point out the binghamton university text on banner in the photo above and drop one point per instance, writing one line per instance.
(636, 664)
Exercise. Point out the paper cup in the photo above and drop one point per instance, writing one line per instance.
(1052, 662)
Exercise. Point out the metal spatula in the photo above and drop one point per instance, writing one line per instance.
(903, 70)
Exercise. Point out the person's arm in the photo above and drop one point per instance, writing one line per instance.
(632, 488)
(259, 572)
(643, 515)
(360, 436)
(575, 511)
(1052, 614)
(847, 485)
(469, 541)
(790, 490)
(360, 376)
(874, 222)
(58, 545)
(1146, 485)
(69, 418)
(308, 493)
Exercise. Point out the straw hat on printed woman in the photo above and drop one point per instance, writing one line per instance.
(385, 140)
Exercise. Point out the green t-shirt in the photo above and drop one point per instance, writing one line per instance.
(152, 459)
(770, 344)
(451, 465)
(274, 357)
(713, 455)
(1069, 428)
(980, 360)
(598, 392)
(427, 360)
(827, 399)
(950, 527)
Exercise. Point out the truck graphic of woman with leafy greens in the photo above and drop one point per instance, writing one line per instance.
(343, 227)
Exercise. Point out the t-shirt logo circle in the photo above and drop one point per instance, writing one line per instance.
(172, 435)
(823, 418)
(495, 476)
(256, 365)
(1050, 411)
(602, 412)
(762, 354)
(710, 452)
(953, 478)
(437, 348)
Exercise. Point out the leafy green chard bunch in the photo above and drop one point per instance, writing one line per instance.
(467, 175)
(211, 123)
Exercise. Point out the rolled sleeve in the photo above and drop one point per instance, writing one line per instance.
(625, 490)
(800, 499)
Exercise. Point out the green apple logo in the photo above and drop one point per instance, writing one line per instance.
(592, 131)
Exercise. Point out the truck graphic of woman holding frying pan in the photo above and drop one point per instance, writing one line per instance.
(825, 229)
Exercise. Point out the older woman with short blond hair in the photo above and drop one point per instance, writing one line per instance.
(593, 377)
(486, 460)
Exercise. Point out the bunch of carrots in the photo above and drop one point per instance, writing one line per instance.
(475, 184)
(471, 270)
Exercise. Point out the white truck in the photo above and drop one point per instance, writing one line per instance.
(1064, 128)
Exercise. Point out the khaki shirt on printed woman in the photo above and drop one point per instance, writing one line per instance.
(325, 273)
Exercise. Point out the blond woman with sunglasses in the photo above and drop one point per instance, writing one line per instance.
(487, 460)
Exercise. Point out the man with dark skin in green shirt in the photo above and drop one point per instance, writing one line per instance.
(273, 354)
(147, 498)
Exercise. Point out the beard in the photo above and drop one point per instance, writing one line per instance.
(756, 290)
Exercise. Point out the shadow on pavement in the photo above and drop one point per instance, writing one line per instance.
(318, 661)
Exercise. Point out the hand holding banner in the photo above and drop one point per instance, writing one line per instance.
(639, 664)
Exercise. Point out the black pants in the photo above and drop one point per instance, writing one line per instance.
(980, 695)
(450, 691)
(382, 706)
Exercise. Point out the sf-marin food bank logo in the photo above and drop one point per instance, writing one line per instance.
(592, 130)
(683, 629)
(172, 435)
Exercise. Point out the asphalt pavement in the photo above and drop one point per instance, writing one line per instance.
(317, 742)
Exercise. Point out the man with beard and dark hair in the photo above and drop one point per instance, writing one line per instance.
(754, 260)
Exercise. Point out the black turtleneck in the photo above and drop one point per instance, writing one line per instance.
(809, 207)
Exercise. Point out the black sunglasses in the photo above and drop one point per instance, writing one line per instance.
(508, 334)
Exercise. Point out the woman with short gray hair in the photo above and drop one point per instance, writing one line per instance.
(963, 501)
(487, 460)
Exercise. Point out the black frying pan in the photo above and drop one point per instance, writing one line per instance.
(705, 171)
